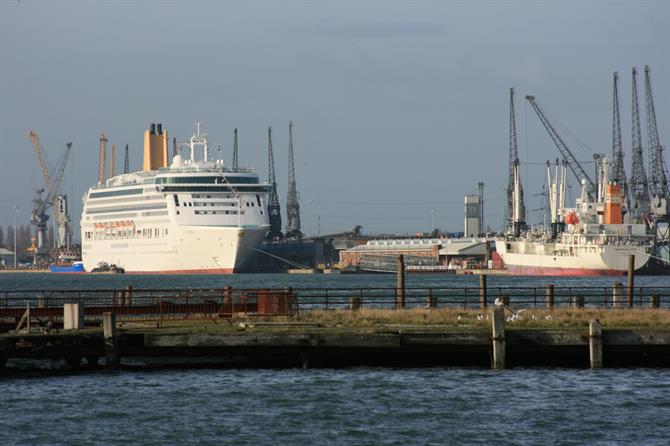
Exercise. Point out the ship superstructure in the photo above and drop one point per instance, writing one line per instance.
(193, 216)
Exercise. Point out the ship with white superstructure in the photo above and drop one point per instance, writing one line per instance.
(193, 215)
(589, 239)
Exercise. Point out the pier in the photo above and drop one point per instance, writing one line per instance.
(403, 326)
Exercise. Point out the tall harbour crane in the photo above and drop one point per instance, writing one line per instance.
(658, 176)
(516, 209)
(42, 205)
(274, 211)
(567, 155)
(618, 171)
(292, 205)
(638, 185)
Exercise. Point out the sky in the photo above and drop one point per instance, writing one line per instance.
(400, 107)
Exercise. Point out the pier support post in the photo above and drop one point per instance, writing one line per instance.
(617, 295)
(631, 279)
(498, 338)
(482, 292)
(400, 292)
(111, 346)
(549, 301)
(595, 344)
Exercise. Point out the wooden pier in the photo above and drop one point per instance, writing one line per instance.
(301, 344)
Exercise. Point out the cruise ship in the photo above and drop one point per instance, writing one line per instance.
(589, 239)
(195, 215)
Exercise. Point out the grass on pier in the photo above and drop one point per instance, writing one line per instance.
(369, 319)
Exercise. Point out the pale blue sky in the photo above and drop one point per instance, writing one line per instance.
(399, 107)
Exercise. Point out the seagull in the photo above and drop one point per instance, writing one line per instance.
(549, 317)
(498, 302)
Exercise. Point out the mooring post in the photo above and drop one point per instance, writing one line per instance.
(549, 301)
(400, 295)
(631, 279)
(482, 291)
(595, 344)
(354, 303)
(111, 346)
(655, 301)
(498, 338)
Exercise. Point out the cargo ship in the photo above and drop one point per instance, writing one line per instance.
(589, 239)
(195, 215)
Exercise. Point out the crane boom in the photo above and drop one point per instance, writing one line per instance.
(573, 164)
(35, 139)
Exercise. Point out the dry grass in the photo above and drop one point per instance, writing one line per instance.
(371, 319)
(531, 318)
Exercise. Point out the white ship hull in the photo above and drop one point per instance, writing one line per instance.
(187, 250)
(554, 259)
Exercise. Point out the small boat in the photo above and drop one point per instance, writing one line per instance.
(104, 267)
(67, 266)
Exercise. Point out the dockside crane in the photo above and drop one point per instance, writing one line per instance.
(572, 162)
(618, 172)
(658, 175)
(41, 204)
(639, 187)
(274, 211)
(292, 205)
(516, 209)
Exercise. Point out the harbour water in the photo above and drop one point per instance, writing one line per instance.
(363, 406)
(41, 281)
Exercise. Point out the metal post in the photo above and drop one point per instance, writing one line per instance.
(550, 297)
(482, 291)
(111, 346)
(400, 296)
(617, 294)
(498, 330)
(595, 344)
(631, 279)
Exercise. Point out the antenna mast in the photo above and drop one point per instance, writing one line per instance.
(236, 164)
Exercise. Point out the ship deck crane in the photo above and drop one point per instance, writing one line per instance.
(41, 205)
(638, 184)
(573, 164)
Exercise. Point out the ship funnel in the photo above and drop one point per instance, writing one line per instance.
(155, 148)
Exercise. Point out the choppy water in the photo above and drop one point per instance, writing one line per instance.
(362, 406)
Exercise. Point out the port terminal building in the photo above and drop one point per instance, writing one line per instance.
(433, 254)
